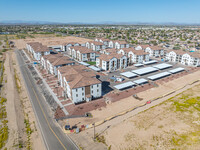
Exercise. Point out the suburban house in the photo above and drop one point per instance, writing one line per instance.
(65, 46)
(183, 57)
(95, 46)
(82, 53)
(104, 41)
(37, 50)
(134, 56)
(112, 62)
(79, 84)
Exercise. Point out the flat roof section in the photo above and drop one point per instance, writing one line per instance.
(95, 68)
(162, 66)
(176, 70)
(128, 74)
(138, 65)
(140, 81)
(124, 85)
(159, 75)
(150, 62)
(83, 63)
(143, 71)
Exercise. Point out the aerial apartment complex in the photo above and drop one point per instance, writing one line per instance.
(183, 57)
(79, 82)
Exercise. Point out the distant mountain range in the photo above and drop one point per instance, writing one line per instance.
(21, 22)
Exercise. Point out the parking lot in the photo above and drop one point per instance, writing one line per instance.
(108, 83)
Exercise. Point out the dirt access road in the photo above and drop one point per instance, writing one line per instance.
(18, 105)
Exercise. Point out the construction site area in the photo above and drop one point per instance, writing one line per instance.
(121, 101)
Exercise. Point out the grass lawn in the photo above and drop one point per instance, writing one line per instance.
(92, 62)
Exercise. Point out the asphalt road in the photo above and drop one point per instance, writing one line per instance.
(53, 136)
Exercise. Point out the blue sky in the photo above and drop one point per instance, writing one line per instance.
(94, 11)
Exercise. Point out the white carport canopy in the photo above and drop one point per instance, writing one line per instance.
(162, 66)
(176, 70)
(138, 65)
(159, 75)
(140, 81)
(83, 63)
(143, 71)
(124, 85)
(95, 68)
(150, 62)
(128, 74)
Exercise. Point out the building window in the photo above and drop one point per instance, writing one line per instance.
(92, 92)
(76, 90)
(82, 88)
(82, 94)
(92, 86)
(97, 85)
(76, 95)
(97, 90)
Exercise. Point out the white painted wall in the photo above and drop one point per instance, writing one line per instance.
(96, 90)
(121, 62)
(111, 66)
(78, 95)
(111, 44)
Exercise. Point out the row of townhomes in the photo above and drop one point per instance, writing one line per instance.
(37, 50)
(183, 57)
(52, 62)
(112, 55)
(113, 59)
(81, 53)
(154, 51)
(113, 44)
(111, 62)
(79, 83)
(65, 46)
(95, 46)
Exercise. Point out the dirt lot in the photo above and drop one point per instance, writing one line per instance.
(49, 41)
(116, 129)
(173, 124)
(130, 102)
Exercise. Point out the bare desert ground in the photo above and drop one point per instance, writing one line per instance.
(130, 102)
(50, 41)
(173, 124)
(117, 130)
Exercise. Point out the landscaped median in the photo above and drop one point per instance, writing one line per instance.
(125, 112)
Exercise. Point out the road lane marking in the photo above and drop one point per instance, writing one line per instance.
(44, 113)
